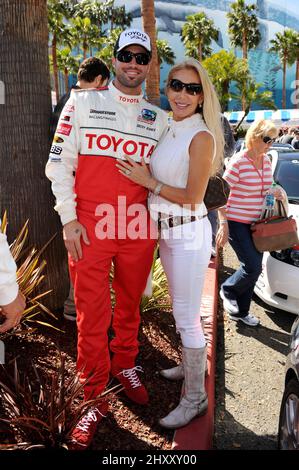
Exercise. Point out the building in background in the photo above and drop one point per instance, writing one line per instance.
(274, 16)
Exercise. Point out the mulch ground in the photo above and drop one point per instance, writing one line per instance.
(127, 426)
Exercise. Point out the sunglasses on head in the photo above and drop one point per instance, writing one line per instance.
(191, 88)
(268, 140)
(142, 58)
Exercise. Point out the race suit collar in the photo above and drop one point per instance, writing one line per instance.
(123, 98)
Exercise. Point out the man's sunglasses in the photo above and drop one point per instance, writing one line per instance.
(191, 88)
(268, 140)
(142, 58)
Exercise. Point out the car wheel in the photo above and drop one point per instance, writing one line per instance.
(288, 431)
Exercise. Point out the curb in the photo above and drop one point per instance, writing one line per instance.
(198, 434)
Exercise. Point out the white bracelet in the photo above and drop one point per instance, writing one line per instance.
(222, 222)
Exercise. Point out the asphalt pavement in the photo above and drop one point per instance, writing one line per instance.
(249, 373)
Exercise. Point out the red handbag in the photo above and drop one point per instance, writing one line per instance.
(275, 233)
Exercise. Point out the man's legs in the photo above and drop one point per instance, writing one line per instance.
(132, 265)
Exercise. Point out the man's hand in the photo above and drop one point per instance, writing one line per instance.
(72, 233)
(12, 313)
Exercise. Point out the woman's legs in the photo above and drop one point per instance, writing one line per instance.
(185, 260)
(240, 285)
(185, 256)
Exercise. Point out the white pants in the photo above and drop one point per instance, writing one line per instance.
(185, 252)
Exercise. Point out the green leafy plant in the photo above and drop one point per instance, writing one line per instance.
(159, 287)
(43, 409)
(29, 275)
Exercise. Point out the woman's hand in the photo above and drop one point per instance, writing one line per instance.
(222, 235)
(279, 194)
(140, 174)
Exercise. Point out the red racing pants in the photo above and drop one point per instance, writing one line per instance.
(132, 260)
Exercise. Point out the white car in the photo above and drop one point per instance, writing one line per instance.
(278, 284)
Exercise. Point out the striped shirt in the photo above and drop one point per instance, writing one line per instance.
(248, 187)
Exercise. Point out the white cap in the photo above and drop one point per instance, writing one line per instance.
(133, 36)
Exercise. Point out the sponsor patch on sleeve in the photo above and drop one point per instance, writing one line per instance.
(64, 129)
(58, 139)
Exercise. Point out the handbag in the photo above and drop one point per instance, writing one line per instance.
(275, 233)
(217, 193)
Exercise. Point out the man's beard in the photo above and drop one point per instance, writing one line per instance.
(130, 82)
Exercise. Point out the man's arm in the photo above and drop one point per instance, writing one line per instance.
(12, 302)
(62, 164)
(63, 160)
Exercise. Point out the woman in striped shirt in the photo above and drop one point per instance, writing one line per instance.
(249, 175)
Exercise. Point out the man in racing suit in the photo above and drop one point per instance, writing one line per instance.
(98, 212)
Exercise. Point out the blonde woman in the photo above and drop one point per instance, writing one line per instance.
(180, 167)
(249, 175)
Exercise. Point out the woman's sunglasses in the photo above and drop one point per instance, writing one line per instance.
(268, 140)
(191, 88)
(142, 58)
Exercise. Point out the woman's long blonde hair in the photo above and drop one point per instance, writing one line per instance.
(211, 110)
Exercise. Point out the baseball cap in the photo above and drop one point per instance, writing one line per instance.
(130, 37)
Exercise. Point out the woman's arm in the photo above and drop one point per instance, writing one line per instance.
(222, 233)
(201, 154)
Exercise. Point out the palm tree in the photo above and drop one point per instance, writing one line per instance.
(197, 34)
(249, 93)
(165, 53)
(68, 64)
(85, 33)
(286, 45)
(57, 11)
(224, 68)
(243, 26)
(106, 53)
(24, 137)
(149, 26)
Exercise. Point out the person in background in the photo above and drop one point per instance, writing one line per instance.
(92, 73)
(103, 125)
(12, 301)
(295, 141)
(185, 158)
(249, 175)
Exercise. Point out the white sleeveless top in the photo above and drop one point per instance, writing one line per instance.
(169, 164)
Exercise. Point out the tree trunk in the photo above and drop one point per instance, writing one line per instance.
(84, 50)
(149, 26)
(284, 94)
(244, 47)
(66, 80)
(24, 137)
(55, 68)
(200, 52)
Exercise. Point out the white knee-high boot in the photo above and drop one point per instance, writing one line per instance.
(195, 400)
(175, 373)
